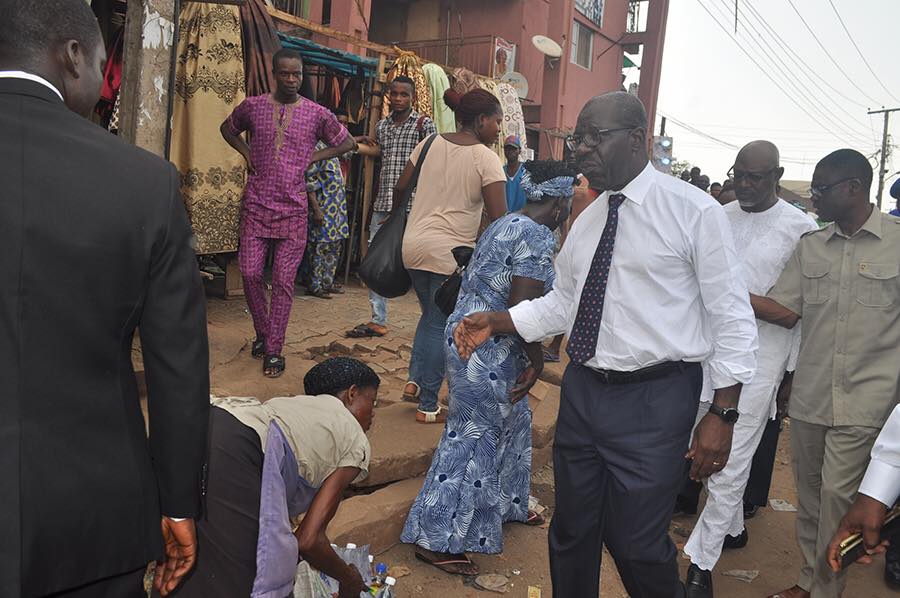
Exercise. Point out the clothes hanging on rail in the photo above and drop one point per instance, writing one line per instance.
(438, 83)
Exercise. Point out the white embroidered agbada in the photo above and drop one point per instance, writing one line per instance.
(764, 242)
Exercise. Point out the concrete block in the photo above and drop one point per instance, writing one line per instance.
(375, 519)
(543, 417)
(401, 447)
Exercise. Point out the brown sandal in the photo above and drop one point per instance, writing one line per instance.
(411, 392)
(454, 564)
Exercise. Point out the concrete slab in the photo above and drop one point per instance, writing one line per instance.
(375, 519)
(543, 417)
(401, 447)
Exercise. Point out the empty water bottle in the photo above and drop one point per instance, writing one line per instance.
(388, 590)
(380, 574)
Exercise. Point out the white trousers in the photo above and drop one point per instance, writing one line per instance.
(723, 513)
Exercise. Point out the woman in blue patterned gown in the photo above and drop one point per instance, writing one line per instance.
(480, 475)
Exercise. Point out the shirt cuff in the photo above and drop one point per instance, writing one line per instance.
(881, 482)
(721, 376)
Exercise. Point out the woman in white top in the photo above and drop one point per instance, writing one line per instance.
(460, 178)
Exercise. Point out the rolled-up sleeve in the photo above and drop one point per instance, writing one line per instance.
(727, 301)
(548, 316)
(882, 479)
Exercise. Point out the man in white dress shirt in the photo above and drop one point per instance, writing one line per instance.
(766, 231)
(647, 287)
(878, 492)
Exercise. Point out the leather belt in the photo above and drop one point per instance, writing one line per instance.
(652, 372)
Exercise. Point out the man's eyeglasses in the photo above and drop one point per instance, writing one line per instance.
(753, 177)
(592, 138)
(820, 190)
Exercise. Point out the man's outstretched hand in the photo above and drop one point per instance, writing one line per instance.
(180, 539)
(866, 516)
(472, 332)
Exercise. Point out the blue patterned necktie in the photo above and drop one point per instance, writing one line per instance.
(582, 344)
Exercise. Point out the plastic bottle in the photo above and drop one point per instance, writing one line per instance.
(388, 590)
(380, 574)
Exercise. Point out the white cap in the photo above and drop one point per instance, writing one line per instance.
(350, 546)
(390, 581)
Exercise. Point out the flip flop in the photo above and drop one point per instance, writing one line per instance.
(534, 519)
(273, 366)
(550, 357)
(363, 331)
(454, 564)
(258, 348)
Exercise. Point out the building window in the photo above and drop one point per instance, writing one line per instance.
(326, 12)
(582, 45)
(592, 9)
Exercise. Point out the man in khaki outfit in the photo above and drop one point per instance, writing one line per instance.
(843, 281)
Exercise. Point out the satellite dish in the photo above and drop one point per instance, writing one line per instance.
(547, 46)
(518, 81)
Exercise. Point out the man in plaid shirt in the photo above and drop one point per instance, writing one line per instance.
(396, 137)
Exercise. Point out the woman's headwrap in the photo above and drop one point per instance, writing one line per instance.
(561, 186)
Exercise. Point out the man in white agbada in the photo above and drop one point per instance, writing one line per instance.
(766, 230)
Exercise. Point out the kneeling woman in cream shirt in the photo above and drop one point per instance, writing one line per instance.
(269, 462)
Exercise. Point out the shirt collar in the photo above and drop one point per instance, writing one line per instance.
(30, 77)
(872, 225)
(636, 190)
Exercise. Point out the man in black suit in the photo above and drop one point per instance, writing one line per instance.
(94, 243)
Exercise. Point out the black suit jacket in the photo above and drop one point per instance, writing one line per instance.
(94, 243)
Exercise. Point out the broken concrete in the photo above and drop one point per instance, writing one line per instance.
(375, 519)
(401, 447)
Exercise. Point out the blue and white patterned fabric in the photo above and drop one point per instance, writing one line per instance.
(480, 475)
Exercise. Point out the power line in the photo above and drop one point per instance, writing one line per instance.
(827, 53)
(764, 71)
(787, 48)
(722, 142)
(858, 51)
(784, 70)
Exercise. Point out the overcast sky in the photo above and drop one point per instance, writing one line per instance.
(711, 85)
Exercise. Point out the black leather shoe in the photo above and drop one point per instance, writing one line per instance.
(892, 566)
(750, 511)
(699, 583)
(738, 541)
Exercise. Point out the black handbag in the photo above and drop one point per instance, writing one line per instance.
(447, 294)
(382, 269)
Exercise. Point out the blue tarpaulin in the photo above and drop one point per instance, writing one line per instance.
(336, 60)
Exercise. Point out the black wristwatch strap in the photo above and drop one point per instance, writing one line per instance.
(728, 414)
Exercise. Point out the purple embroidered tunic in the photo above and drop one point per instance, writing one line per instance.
(282, 140)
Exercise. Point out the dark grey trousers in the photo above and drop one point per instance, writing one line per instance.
(618, 458)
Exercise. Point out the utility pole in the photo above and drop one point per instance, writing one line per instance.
(882, 169)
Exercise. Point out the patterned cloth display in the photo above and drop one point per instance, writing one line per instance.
(583, 341)
(513, 117)
(209, 83)
(326, 180)
(481, 472)
(438, 83)
(408, 64)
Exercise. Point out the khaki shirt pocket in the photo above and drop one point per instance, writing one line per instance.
(815, 282)
(879, 284)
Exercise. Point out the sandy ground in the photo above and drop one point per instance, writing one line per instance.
(316, 324)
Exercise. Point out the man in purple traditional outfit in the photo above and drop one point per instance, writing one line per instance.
(284, 129)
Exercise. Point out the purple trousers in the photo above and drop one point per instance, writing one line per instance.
(270, 322)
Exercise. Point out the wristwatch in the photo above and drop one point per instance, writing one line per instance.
(729, 414)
